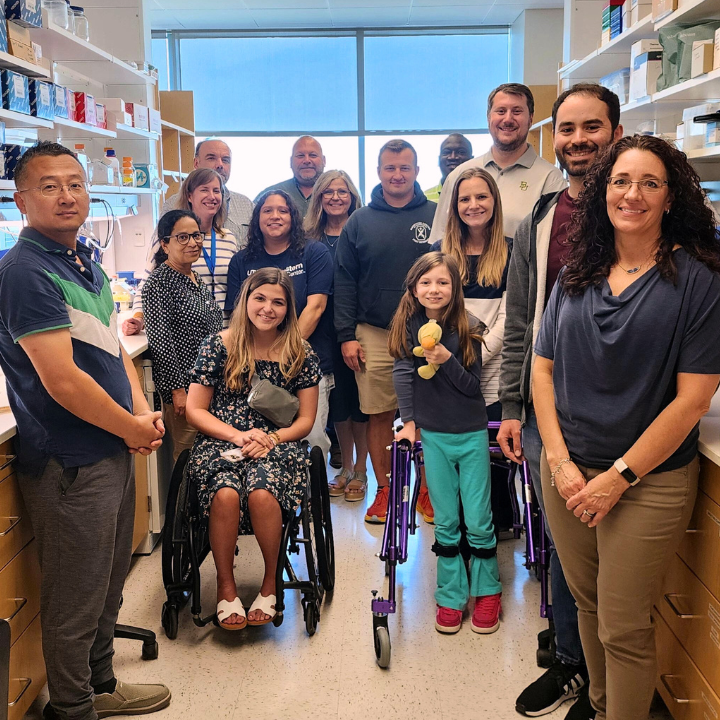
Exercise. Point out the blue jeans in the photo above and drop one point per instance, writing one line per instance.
(567, 635)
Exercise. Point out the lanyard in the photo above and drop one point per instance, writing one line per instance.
(211, 258)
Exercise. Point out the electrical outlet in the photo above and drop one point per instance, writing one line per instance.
(139, 238)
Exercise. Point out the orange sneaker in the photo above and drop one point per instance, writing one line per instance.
(377, 512)
(424, 506)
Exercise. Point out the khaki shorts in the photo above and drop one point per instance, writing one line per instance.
(375, 383)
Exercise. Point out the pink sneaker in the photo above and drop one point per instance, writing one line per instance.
(486, 616)
(447, 620)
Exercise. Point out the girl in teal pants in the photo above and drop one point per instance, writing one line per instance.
(449, 410)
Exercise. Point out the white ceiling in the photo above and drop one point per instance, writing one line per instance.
(322, 14)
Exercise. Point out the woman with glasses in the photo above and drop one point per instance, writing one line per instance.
(334, 199)
(276, 239)
(180, 312)
(627, 361)
(202, 193)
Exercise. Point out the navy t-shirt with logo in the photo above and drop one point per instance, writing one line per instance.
(311, 274)
(43, 288)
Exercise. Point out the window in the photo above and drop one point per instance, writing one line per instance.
(278, 84)
(424, 82)
(160, 61)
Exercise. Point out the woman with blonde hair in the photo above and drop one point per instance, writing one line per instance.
(249, 495)
(334, 199)
(202, 192)
(474, 237)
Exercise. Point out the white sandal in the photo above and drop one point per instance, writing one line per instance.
(227, 608)
(266, 605)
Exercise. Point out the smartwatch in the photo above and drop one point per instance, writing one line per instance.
(621, 466)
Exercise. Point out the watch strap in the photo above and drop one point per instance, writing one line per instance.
(621, 466)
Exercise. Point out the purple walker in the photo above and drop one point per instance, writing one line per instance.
(401, 522)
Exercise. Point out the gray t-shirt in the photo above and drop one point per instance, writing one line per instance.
(292, 189)
(616, 358)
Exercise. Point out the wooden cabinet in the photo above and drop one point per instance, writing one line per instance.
(687, 614)
(22, 670)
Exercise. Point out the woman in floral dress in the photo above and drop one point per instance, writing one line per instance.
(250, 495)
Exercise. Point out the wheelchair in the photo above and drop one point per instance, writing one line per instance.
(186, 544)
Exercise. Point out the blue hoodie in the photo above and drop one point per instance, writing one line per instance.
(378, 246)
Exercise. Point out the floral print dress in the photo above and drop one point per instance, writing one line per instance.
(282, 472)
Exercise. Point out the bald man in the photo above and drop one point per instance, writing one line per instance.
(455, 150)
(308, 164)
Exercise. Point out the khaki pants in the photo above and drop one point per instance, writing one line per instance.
(180, 432)
(374, 381)
(615, 573)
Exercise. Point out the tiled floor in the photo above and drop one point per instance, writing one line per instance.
(273, 673)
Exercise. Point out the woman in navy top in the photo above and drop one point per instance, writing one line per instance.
(628, 359)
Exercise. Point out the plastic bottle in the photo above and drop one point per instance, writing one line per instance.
(112, 162)
(80, 23)
(128, 173)
(82, 157)
(57, 11)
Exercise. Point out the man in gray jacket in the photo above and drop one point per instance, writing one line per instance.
(585, 121)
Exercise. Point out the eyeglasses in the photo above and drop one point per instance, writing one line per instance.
(76, 189)
(330, 194)
(650, 185)
(184, 238)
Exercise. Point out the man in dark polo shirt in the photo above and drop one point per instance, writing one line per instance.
(585, 121)
(81, 415)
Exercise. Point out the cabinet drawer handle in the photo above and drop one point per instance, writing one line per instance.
(8, 460)
(679, 701)
(20, 603)
(673, 607)
(27, 682)
(13, 522)
(691, 531)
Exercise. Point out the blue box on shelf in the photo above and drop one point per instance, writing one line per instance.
(27, 13)
(15, 91)
(2, 133)
(9, 156)
(42, 99)
(3, 29)
(60, 103)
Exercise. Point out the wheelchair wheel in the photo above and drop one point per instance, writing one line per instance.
(311, 557)
(175, 551)
(322, 519)
(383, 648)
(312, 616)
(170, 620)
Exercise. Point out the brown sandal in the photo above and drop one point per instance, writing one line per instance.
(357, 487)
(336, 486)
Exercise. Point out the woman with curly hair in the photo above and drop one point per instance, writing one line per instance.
(628, 359)
(276, 239)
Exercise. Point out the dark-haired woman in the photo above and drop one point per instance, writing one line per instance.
(276, 239)
(628, 359)
(180, 312)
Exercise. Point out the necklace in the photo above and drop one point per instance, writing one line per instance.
(326, 237)
(630, 271)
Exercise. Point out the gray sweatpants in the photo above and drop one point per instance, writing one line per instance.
(83, 523)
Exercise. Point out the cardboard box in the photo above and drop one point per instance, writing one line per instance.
(662, 8)
(645, 72)
(716, 55)
(639, 10)
(644, 46)
(154, 121)
(139, 113)
(60, 102)
(19, 42)
(9, 156)
(115, 105)
(42, 99)
(693, 128)
(24, 12)
(702, 57)
(85, 108)
(100, 115)
(15, 92)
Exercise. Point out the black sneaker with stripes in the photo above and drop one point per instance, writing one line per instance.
(557, 685)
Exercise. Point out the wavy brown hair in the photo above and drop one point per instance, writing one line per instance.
(198, 177)
(689, 223)
(240, 364)
(256, 240)
(491, 265)
(316, 218)
(453, 316)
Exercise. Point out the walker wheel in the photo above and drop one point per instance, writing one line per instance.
(382, 646)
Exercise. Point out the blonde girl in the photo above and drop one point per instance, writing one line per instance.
(449, 410)
(248, 496)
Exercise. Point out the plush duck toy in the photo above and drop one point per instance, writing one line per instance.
(428, 336)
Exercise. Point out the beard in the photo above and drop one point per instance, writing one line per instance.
(510, 146)
(577, 168)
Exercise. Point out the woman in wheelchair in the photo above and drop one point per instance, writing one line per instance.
(251, 494)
